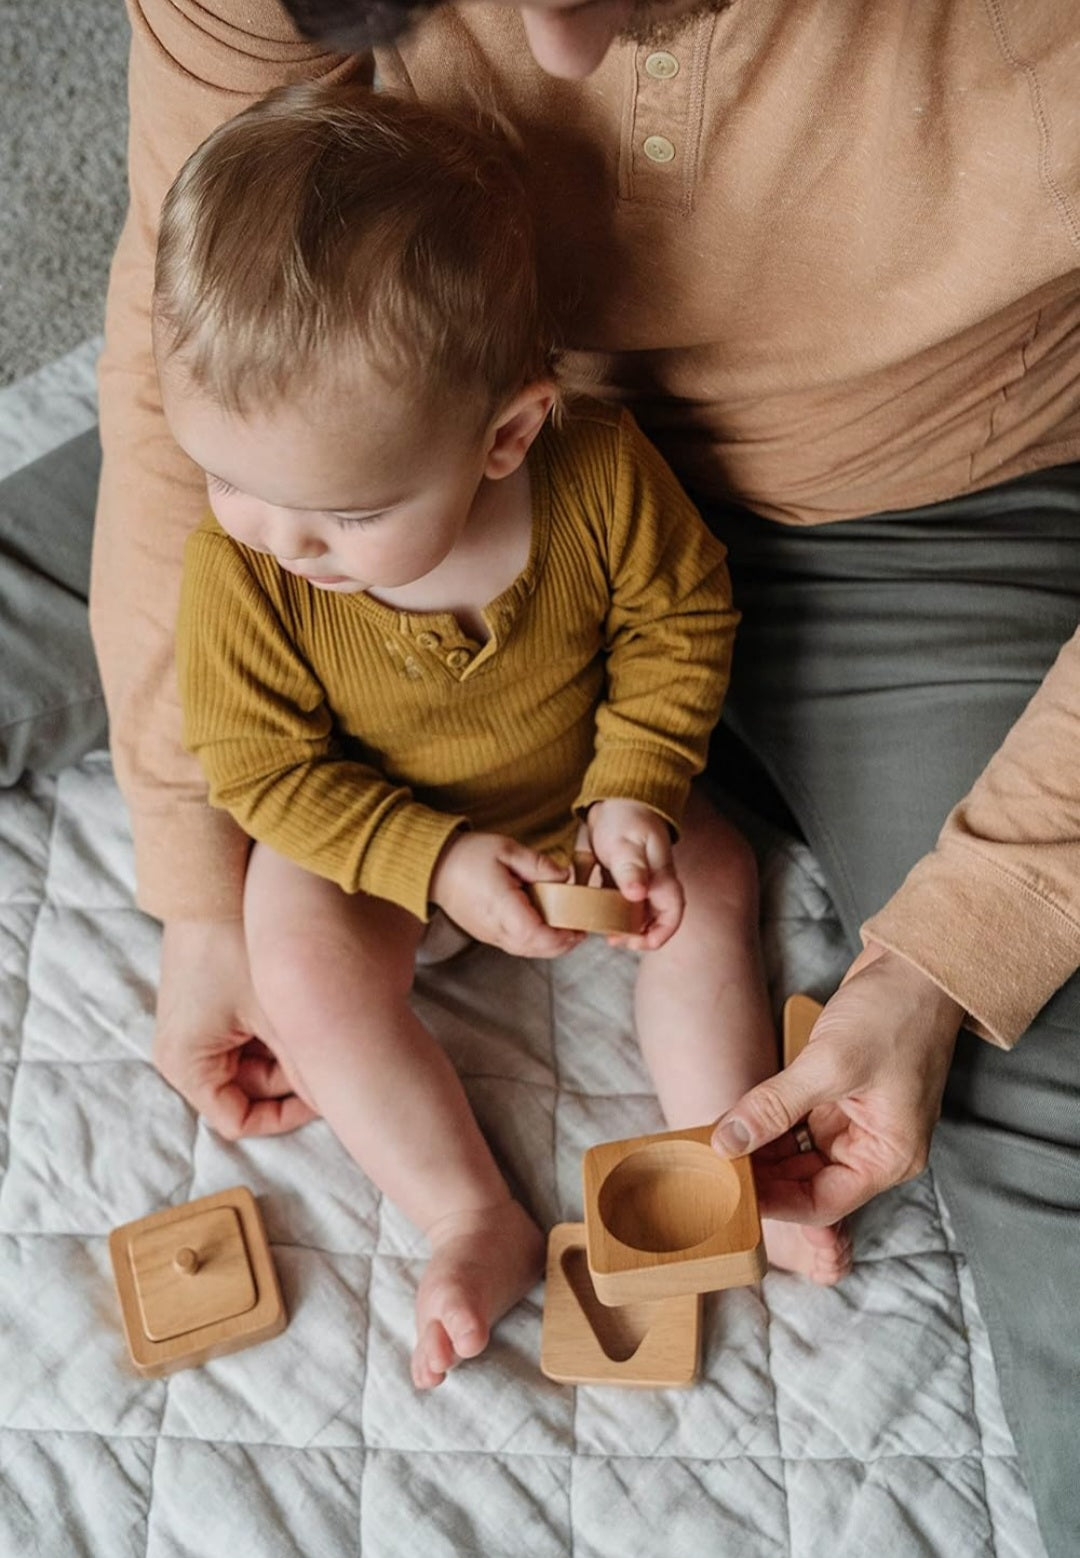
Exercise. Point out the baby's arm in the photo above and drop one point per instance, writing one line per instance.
(255, 715)
(670, 630)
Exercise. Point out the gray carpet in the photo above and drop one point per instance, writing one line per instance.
(63, 112)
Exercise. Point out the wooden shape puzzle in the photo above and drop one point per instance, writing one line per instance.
(800, 1014)
(586, 903)
(585, 1342)
(195, 1282)
(665, 1215)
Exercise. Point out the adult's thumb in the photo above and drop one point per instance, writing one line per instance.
(763, 1114)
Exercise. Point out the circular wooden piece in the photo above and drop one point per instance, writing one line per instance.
(568, 906)
(186, 1260)
(668, 1197)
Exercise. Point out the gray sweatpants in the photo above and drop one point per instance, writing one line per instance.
(51, 707)
(878, 665)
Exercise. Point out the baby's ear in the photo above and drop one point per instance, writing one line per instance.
(513, 429)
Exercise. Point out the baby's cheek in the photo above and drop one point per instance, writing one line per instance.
(237, 518)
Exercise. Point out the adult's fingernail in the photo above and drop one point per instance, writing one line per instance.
(732, 1137)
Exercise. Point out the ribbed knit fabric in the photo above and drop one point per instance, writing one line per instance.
(356, 738)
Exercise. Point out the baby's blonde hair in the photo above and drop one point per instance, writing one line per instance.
(327, 225)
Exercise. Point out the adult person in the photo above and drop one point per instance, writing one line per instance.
(830, 253)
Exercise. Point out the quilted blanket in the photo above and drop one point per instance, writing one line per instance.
(861, 1420)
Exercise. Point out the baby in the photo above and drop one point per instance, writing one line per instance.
(435, 626)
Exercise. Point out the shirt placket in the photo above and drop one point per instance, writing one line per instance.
(447, 644)
(662, 129)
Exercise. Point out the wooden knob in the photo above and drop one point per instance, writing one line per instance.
(187, 1261)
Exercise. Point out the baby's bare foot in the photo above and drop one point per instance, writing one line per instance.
(822, 1254)
(481, 1264)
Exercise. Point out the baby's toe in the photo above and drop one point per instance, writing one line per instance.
(467, 1331)
(833, 1259)
(433, 1356)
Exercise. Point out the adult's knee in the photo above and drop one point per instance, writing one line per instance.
(1031, 1091)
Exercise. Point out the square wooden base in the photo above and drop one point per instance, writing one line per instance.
(800, 1014)
(195, 1282)
(585, 1342)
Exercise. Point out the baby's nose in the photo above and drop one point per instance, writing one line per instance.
(298, 551)
(292, 540)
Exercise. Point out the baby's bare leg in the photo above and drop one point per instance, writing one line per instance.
(701, 1003)
(333, 971)
(703, 1016)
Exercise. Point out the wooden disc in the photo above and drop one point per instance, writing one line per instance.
(567, 906)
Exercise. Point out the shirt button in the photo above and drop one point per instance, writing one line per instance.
(658, 148)
(428, 640)
(662, 65)
(458, 659)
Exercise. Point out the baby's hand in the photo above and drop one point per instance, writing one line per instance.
(633, 843)
(478, 881)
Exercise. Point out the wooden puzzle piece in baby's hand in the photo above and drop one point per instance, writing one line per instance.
(588, 901)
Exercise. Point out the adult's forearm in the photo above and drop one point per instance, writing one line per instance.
(189, 859)
(993, 914)
(191, 68)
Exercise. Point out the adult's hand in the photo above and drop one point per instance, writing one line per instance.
(207, 1042)
(868, 1083)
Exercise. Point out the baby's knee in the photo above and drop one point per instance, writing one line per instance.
(737, 870)
(316, 976)
(721, 887)
(286, 972)
(713, 848)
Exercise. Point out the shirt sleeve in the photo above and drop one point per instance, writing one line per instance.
(992, 915)
(256, 717)
(191, 67)
(670, 631)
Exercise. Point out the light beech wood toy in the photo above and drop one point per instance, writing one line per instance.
(585, 1342)
(666, 1220)
(800, 1014)
(195, 1282)
(665, 1215)
(587, 903)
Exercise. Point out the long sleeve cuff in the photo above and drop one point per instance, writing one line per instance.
(189, 863)
(401, 856)
(636, 774)
(985, 938)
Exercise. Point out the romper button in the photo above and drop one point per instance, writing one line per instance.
(662, 65)
(428, 640)
(658, 148)
(458, 659)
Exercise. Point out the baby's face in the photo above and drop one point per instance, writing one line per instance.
(347, 499)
